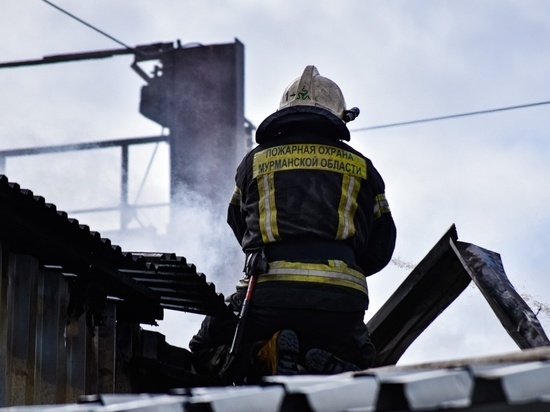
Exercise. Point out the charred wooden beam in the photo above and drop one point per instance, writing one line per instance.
(487, 271)
(430, 288)
(435, 283)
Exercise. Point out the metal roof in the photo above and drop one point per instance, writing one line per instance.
(149, 282)
(146, 282)
(178, 284)
(514, 382)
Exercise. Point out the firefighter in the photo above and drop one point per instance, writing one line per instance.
(311, 215)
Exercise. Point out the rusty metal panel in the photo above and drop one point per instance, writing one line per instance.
(127, 337)
(61, 394)
(22, 272)
(91, 365)
(76, 343)
(4, 358)
(51, 314)
(107, 350)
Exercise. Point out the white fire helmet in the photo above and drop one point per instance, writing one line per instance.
(312, 93)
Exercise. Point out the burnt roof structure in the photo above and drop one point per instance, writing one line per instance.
(435, 283)
(102, 354)
(71, 306)
(146, 283)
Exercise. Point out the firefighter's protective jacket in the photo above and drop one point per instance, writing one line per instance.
(304, 186)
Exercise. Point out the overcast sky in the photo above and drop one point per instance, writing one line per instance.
(396, 60)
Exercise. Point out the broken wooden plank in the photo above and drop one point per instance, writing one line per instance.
(487, 271)
(430, 288)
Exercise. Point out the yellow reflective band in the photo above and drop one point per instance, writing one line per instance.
(267, 209)
(308, 157)
(347, 207)
(381, 205)
(236, 198)
(335, 273)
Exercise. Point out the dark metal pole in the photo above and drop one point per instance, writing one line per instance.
(124, 210)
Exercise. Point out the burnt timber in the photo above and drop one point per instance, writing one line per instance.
(71, 305)
(435, 283)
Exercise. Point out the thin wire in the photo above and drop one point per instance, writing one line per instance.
(362, 129)
(89, 25)
(452, 116)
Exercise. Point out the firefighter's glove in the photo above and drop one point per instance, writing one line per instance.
(257, 264)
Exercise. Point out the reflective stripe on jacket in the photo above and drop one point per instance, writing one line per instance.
(334, 272)
(305, 186)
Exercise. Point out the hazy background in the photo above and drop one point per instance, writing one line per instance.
(396, 60)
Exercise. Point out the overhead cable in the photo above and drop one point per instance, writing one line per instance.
(90, 26)
(452, 116)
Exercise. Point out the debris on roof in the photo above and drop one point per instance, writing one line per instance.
(46, 258)
(140, 279)
(435, 283)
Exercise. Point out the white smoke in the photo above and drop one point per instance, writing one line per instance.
(402, 264)
(198, 232)
(199, 229)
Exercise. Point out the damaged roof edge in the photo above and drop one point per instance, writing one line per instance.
(435, 283)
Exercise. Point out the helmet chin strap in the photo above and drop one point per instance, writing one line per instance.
(351, 114)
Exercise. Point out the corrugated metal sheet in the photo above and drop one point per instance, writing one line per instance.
(164, 280)
(71, 305)
(147, 282)
(520, 384)
(177, 283)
